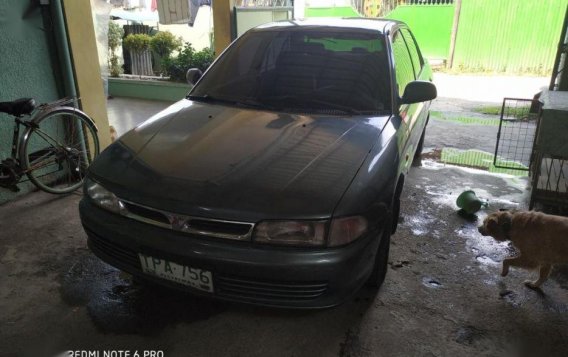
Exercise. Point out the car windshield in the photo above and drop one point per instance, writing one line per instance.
(302, 69)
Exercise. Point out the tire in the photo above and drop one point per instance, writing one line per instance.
(395, 216)
(417, 160)
(380, 265)
(57, 149)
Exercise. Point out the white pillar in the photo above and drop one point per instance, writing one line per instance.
(299, 9)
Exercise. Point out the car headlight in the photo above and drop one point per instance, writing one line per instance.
(346, 229)
(299, 233)
(103, 197)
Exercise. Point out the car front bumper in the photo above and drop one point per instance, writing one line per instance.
(242, 271)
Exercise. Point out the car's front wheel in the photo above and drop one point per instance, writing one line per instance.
(417, 160)
(380, 266)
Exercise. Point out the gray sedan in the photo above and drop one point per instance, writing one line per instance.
(277, 180)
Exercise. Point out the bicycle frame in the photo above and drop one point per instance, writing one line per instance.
(16, 138)
(14, 170)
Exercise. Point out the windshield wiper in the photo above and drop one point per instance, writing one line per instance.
(251, 103)
(207, 98)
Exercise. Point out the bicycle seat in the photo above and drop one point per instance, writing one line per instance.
(18, 107)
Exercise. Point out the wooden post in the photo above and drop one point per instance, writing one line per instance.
(83, 45)
(222, 24)
(455, 26)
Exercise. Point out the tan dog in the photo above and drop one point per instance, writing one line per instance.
(541, 239)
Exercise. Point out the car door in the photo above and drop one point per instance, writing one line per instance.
(422, 72)
(404, 74)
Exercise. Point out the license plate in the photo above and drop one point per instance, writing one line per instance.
(182, 274)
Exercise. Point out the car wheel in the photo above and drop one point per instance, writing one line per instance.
(417, 160)
(380, 266)
(395, 216)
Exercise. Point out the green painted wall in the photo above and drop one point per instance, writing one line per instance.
(26, 67)
(510, 36)
(338, 11)
(432, 26)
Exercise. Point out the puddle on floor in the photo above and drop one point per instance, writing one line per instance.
(507, 193)
(468, 335)
(483, 259)
(484, 249)
(117, 305)
(431, 282)
(419, 224)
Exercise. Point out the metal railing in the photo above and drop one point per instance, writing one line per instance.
(426, 2)
(516, 135)
(264, 3)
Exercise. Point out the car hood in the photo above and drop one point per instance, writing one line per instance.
(240, 164)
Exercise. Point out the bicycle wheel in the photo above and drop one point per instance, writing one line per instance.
(58, 148)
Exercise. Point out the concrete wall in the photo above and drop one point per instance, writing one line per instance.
(26, 67)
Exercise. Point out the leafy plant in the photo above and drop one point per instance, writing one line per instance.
(187, 58)
(137, 42)
(115, 33)
(164, 43)
(115, 68)
(203, 59)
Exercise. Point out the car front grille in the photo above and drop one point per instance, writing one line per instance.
(115, 251)
(268, 291)
(227, 286)
(193, 225)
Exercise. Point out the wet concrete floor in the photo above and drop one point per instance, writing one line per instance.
(443, 295)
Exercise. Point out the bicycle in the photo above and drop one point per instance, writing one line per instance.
(55, 149)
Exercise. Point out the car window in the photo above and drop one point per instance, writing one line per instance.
(403, 64)
(324, 70)
(415, 55)
(348, 44)
(246, 60)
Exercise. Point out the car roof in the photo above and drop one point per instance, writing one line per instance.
(380, 25)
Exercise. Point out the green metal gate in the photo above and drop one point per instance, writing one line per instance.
(431, 22)
(509, 36)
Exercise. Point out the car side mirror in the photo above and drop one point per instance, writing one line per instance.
(419, 91)
(192, 75)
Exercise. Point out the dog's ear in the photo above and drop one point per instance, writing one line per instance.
(505, 221)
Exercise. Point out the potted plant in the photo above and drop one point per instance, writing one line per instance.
(115, 33)
(163, 44)
(138, 45)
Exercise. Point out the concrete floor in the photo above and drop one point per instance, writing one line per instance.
(488, 88)
(443, 295)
